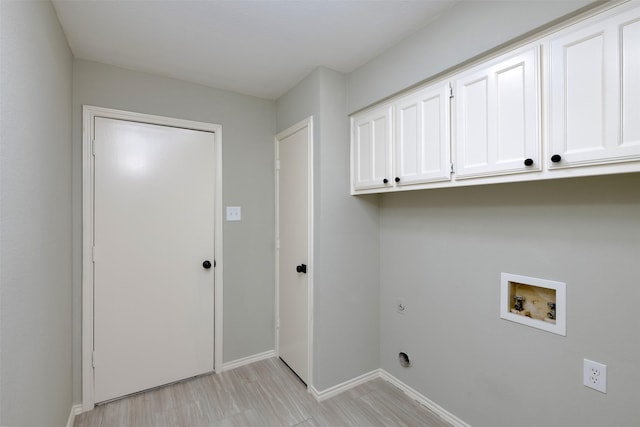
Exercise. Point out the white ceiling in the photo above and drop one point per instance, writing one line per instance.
(260, 48)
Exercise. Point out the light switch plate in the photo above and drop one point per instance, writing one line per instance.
(234, 213)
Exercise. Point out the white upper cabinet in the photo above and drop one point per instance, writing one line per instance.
(421, 146)
(371, 149)
(594, 111)
(578, 86)
(497, 116)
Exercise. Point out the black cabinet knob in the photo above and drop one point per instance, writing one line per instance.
(207, 264)
(385, 181)
(397, 179)
(556, 158)
(528, 162)
(302, 268)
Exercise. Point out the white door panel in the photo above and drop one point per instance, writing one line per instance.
(293, 236)
(154, 227)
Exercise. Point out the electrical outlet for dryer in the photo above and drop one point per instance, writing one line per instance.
(595, 375)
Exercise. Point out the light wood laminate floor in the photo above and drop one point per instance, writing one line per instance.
(265, 393)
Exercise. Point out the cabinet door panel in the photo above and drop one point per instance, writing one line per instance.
(630, 40)
(408, 133)
(579, 88)
(511, 114)
(371, 155)
(474, 144)
(585, 86)
(435, 151)
(364, 159)
(422, 136)
(595, 92)
(497, 116)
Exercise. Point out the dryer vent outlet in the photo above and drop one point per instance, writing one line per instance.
(403, 358)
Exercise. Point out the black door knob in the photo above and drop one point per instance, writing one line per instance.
(528, 162)
(207, 264)
(302, 268)
(556, 158)
(397, 179)
(384, 181)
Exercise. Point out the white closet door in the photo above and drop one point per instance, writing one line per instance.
(293, 249)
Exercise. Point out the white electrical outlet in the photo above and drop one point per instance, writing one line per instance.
(401, 306)
(234, 213)
(595, 375)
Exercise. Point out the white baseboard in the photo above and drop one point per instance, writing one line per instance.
(342, 387)
(247, 360)
(75, 410)
(423, 400)
(410, 392)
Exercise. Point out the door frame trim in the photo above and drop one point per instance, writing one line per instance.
(89, 113)
(308, 123)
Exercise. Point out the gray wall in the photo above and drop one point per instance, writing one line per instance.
(35, 217)
(462, 32)
(346, 306)
(443, 251)
(248, 128)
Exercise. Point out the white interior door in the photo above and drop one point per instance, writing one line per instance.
(293, 254)
(153, 231)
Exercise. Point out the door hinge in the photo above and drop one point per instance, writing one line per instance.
(277, 165)
(450, 91)
(93, 359)
(93, 254)
(93, 147)
(278, 244)
(452, 170)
